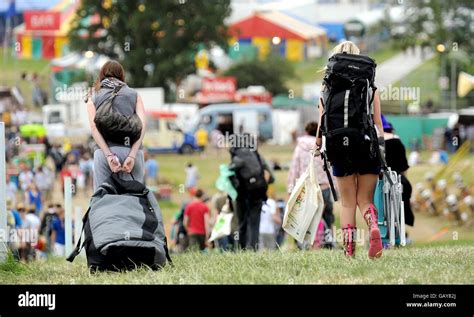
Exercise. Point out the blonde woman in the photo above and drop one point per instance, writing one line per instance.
(357, 171)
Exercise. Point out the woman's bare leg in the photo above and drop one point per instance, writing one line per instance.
(347, 188)
(365, 197)
(365, 191)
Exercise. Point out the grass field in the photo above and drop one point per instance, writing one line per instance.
(11, 69)
(432, 258)
(425, 77)
(447, 258)
(420, 265)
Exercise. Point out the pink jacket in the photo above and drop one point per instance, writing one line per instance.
(301, 159)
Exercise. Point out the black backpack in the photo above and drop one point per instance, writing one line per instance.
(114, 126)
(347, 121)
(250, 174)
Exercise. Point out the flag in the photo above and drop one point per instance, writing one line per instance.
(11, 10)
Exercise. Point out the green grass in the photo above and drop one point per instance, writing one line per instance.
(440, 265)
(11, 69)
(426, 78)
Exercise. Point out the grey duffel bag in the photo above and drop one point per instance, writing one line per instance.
(123, 228)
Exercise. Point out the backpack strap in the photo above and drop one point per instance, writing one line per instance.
(116, 90)
(79, 245)
(370, 125)
(167, 254)
(328, 174)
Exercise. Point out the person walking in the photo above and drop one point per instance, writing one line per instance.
(151, 169)
(58, 233)
(120, 133)
(395, 155)
(252, 176)
(196, 221)
(192, 176)
(299, 163)
(352, 129)
(269, 220)
(34, 197)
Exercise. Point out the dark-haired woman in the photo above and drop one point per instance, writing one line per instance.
(111, 156)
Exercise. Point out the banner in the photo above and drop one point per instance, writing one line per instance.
(42, 20)
(217, 89)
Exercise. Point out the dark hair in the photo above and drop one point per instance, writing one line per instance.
(110, 69)
(190, 164)
(199, 193)
(311, 128)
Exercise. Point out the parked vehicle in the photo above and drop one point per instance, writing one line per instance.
(66, 121)
(253, 118)
(163, 135)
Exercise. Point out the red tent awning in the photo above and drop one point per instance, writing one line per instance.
(258, 26)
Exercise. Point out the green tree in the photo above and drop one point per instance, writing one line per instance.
(272, 73)
(448, 22)
(156, 40)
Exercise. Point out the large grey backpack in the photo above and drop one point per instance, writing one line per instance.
(123, 228)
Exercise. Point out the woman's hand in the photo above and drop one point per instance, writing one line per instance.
(114, 163)
(128, 164)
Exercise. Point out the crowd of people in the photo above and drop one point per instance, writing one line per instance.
(35, 216)
(116, 147)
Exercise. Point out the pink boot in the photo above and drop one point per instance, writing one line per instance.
(349, 240)
(375, 246)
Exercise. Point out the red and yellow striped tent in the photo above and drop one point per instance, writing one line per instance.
(44, 33)
(278, 32)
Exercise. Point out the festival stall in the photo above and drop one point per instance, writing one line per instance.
(43, 35)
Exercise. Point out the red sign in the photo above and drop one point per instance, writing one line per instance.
(42, 20)
(217, 89)
(219, 85)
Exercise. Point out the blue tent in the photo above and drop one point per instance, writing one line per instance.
(334, 30)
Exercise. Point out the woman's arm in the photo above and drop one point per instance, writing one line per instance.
(140, 110)
(378, 115)
(130, 160)
(207, 225)
(318, 133)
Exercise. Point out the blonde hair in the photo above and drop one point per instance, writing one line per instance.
(346, 47)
